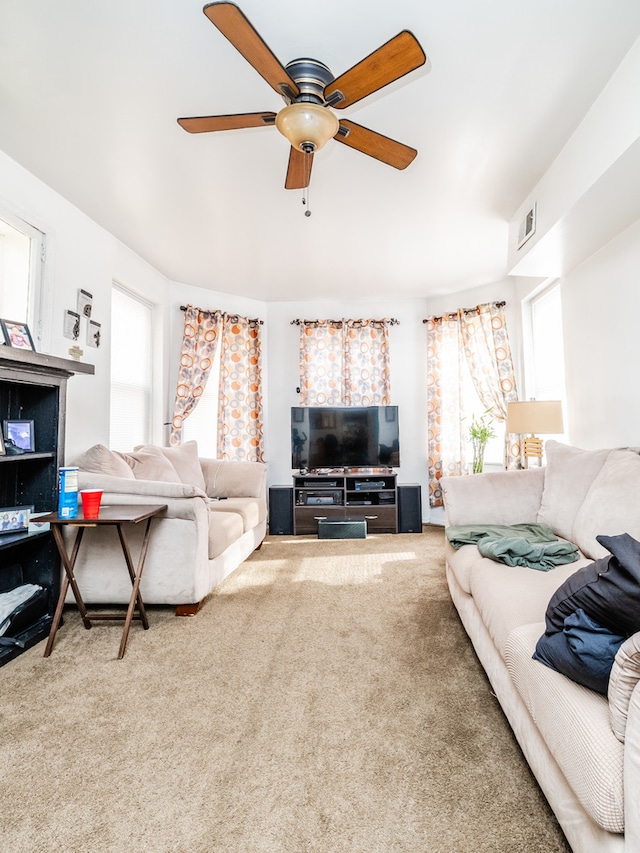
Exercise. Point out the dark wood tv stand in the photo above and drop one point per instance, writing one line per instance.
(343, 496)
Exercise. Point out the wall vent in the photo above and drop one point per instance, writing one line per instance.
(527, 227)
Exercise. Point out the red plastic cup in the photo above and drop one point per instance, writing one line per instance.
(91, 502)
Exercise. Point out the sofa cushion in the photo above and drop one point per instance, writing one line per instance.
(225, 528)
(508, 596)
(250, 510)
(151, 464)
(611, 504)
(591, 758)
(184, 459)
(569, 474)
(625, 674)
(583, 651)
(100, 460)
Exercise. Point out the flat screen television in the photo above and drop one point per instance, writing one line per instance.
(344, 437)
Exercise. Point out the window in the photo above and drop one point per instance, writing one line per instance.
(545, 346)
(131, 370)
(202, 423)
(21, 267)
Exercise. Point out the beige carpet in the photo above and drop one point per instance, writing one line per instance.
(324, 700)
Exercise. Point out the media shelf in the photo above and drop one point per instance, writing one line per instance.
(33, 387)
(345, 497)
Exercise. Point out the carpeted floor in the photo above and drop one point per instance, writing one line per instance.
(324, 700)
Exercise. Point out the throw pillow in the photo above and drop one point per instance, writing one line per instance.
(611, 504)
(608, 590)
(100, 460)
(151, 464)
(625, 674)
(185, 460)
(583, 651)
(569, 474)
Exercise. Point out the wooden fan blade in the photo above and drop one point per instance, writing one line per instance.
(233, 24)
(206, 124)
(393, 60)
(299, 170)
(376, 145)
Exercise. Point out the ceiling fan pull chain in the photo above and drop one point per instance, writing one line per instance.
(305, 200)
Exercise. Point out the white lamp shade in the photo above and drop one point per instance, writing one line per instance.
(307, 124)
(535, 417)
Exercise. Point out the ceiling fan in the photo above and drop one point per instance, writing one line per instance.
(311, 92)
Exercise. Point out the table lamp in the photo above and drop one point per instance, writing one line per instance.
(532, 417)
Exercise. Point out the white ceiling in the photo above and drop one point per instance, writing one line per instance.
(90, 93)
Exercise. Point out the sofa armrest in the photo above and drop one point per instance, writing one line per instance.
(143, 490)
(501, 497)
(225, 479)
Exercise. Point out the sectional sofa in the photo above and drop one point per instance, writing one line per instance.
(583, 746)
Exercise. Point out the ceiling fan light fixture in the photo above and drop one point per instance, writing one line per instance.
(307, 126)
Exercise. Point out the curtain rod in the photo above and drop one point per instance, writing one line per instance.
(391, 322)
(231, 316)
(453, 314)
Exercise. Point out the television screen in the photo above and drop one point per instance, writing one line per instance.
(344, 437)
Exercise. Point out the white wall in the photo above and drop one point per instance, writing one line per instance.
(80, 255)
(601, 306)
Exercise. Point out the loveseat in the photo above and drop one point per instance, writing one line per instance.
(583, 746)
(215, 518)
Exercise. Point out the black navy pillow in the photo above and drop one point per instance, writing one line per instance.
(583, 651)
(608, 590)
(591, 614)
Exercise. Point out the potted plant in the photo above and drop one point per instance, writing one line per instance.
(480, 431)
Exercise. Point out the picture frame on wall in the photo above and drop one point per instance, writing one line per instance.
(17, 334)
(14, 519)
(18, 436)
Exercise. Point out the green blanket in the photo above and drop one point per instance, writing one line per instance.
(532, 545)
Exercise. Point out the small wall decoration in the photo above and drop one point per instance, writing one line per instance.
(18, 437)
(71, 325)
(14, 519)
(93, 334)
(17, 334)
(85, 302)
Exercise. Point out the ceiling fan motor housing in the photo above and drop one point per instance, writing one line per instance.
(305, 121)
(311, 77)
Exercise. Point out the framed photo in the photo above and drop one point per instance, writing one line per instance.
(19, 434)
(17, 334)
(14, 519)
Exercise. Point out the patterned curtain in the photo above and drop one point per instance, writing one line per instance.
(240, 424)
(466, 343)
(344, 363)
(199, 344)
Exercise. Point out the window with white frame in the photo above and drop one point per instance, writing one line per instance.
(21, 269)
(544, 348)
(131, 370)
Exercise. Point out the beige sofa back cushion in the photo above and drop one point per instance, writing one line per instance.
(150, 463)
(611, 504)
(185, 461)
(225, 479)
(100, 460)
(569, 474)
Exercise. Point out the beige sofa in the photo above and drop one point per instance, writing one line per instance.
(582, 746)
(215, 518)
